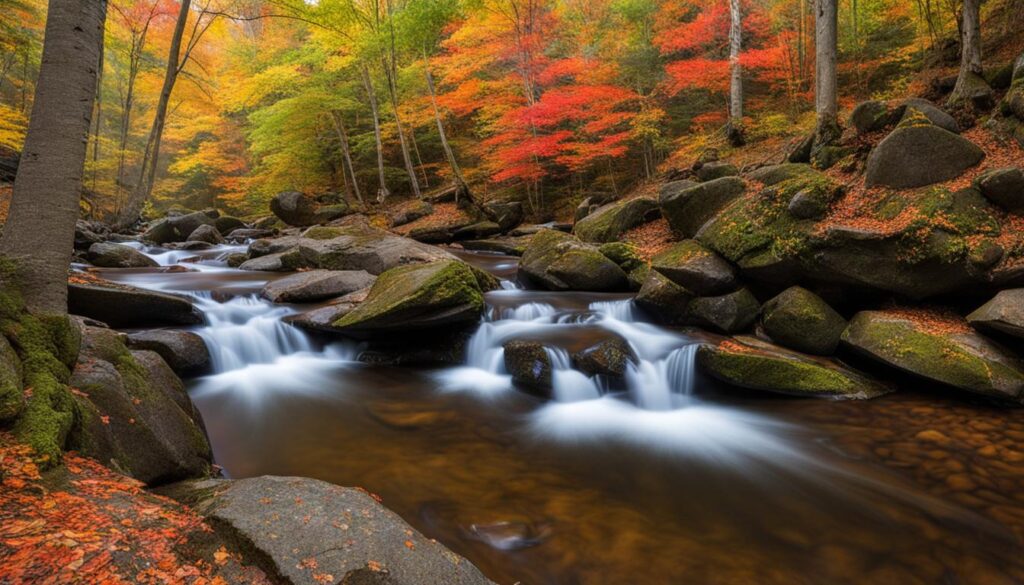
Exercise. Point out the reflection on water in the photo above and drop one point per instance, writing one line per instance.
(664, 480)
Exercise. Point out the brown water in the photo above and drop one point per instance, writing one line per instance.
(914, 488)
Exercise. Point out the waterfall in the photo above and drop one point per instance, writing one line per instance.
(663, 384)
(567, 384)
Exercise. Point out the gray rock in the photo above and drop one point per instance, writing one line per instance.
(298, 209)
(242, 234)
(689, 209)
(507, 214)
(226, 224)
(558, 261)
(608, 223)
(478, 230)
(184, 351)
(665, 299)
(529, 363)
(176, 228)
(930, 111)
(729, 313)
(673, 188)
(872, 116)
(410, 212)
(108, 255)
(716, 170)
(510, 245)
(294, 523)
(323, 318)
(1004, 313)
(206, 233)
(915, 156)
(774, 174)
(610, 357)
(695, 268)
(1004, 187)
(800, 319)
(127, 306)
(294, 259)
(315, 285)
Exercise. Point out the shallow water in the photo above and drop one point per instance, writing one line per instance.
(667, 479)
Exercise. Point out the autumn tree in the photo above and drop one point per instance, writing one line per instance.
(735, 74)
(971, 88)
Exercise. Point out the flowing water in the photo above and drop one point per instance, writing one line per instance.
(661, 478)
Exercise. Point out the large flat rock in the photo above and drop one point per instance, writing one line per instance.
(120, 305)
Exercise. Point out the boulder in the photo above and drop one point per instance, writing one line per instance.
(12, 396)
(728, 313)
(610, 357)
(943, 349)
(919, 155)
(529, 363)
(872, 116)
(409, 212)
(478, 230)
(507, 214)
(800, 319)
(299, 209)
(316, 285)
(306, 530)
(716, 170)
(288, 261)
(608, 223)
(184, 351)
(673, 188)
(121, 305)
(774, 174)
(176, 228)
(628, 259)
(689, 209)
(109, 255)
(664, 299)
(206, 233)
(88, 233)
(510, 245)
(748, 362)
(1004, 187)
(1004, 313)
(241, 235)
(323, 318)
(226, 224)
(558, 261)
(1013, 103)
(439, 295)
(131, 412)
(695, 268)
(929, 111)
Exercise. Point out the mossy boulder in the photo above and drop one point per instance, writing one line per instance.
(871, 116)
(610, 357)
(226, 224)
(507, 214)
(439, 295)
(916, 107)
(748, 362)
(1004, 187)
(110, 255)
(559, 261)
(1013, 103)
(728, 313)
(773, 174)
(12, 398)
(509, 245)
(299, 209)
(918, 155)
(696, 268)
(629, 260)
(943, 349)
(689, 209)
(529, 363)
(609, 222)
(296, 258)
(800, 319)
(664, 299)
(716, 170)
(1004, 313)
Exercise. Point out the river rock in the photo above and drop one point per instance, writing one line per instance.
(306, 529)
(184, 351)
(664, 299)
(610, 357)
(800, 319)
(88, 233)
(242, 235)
(359, 248)
(919, 155)
(207, 234)
(608, 223)
(529, 363)
(510, 245)
(439, 295)
(748, 362)
(944, 350)
(1004, 313)
(728, 313)
(176, 228)
(695, 268)
(109, 255)
(323, 318)
(558, 261)
(478, 230)
(226, 224)
(1004, 187)
(130, 404)
(315, 285)
(299, 209)
(687, 210)
(121, 305)
(290, 260)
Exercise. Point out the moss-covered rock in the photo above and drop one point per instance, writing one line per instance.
(687, 210)
(911, 110)
(609, 222)
(558, 261)
(629, 260)
(919, 155)
(772, 174)
(1004, 187)
(529, 363)
(871, 116)
(1004, 313)
(940, 349)
(664, 299)
(610, 357)
(510, 245)
(299, 209)
(695, 268)
(751, 363)
(728, 313)
(442, 294)
(226, 224)
(716, 170)
(12, 399)
(800, 319)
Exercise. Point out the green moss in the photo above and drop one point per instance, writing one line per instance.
(913, 117)
(321, 232)
(625, 255)
(751, 368)
(756, 223)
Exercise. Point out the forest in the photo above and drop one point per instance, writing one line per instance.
(547, 292)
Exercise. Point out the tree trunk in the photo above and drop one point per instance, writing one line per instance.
(971, 87)
(382, 191)
(735, 74)
(339, 127)
(460, 182)
(825, 91)
(99, 112)
(406, 158)
(151, 156)
(39, 234)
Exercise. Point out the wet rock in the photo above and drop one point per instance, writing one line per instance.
(511, 245)
(628, 259)
(439, 295)
(296, 258)
(185, 352)
(919, 155)
(176, 228)
(299, 209)
(132, 419)
(109, 255)
(558, 261)
(294, 523)
(610, 357)
(1004, 187)
(226, 224)
(664, 299)
(410, 417)
(695, 268)
(240, 235)
(608, 223)
(478, 230)
(323, 318)
(729, 313)
(410, 212)
(127, 306)
(944, 350)
(206, 233)
(529, 363)
(236, 259)
(688, 210)
(716, 170)
(800, 319)
(751, 363)
(1004, 313)
(315, 285)
(88, 233)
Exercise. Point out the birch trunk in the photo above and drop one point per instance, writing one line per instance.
(735, 74)
(970, 85)
(382, 191)
(339, 127)
(460, 182)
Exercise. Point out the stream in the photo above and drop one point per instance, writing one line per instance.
(667, 479)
